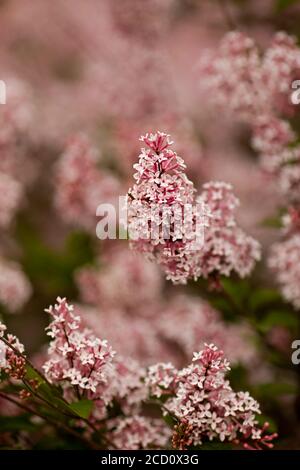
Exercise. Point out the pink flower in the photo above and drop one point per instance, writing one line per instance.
(77, 359)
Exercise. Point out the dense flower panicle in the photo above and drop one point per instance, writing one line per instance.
(285, 262)
(81, 186)
(139, 432)
(158, 201)
(77, 358)
(163, 194)
(15, 289)
(227, 248)
(207, 408)
(11, 191)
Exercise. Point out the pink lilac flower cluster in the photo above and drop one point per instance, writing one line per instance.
(163, 196)
(78, 360)
(81, 185)
(205, 406)
(85, 366)
(247, 83)
(15, 289)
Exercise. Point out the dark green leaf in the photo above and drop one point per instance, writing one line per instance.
(263, 297)
(82, 408)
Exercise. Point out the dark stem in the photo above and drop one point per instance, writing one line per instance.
(18, 353)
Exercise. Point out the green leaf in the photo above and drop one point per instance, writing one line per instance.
(263, 297)
(169, 420)
(82, 408)
(283, 4)
(283, 318)
(76, 251)
(272, 222)
(238, 290)
(275, 389)
(262, 419)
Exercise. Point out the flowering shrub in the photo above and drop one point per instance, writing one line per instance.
(83, 382)
(222, 224)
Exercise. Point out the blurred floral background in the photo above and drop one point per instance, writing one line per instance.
(85, 79)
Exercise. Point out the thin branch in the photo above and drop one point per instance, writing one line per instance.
(57, 424)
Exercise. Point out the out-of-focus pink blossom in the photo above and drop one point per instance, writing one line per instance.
(111, 285)
(285, 262)
(203, 324)
(15, 289)
(139, 432)
(11, 191)
(242, 80)
(81, 186)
